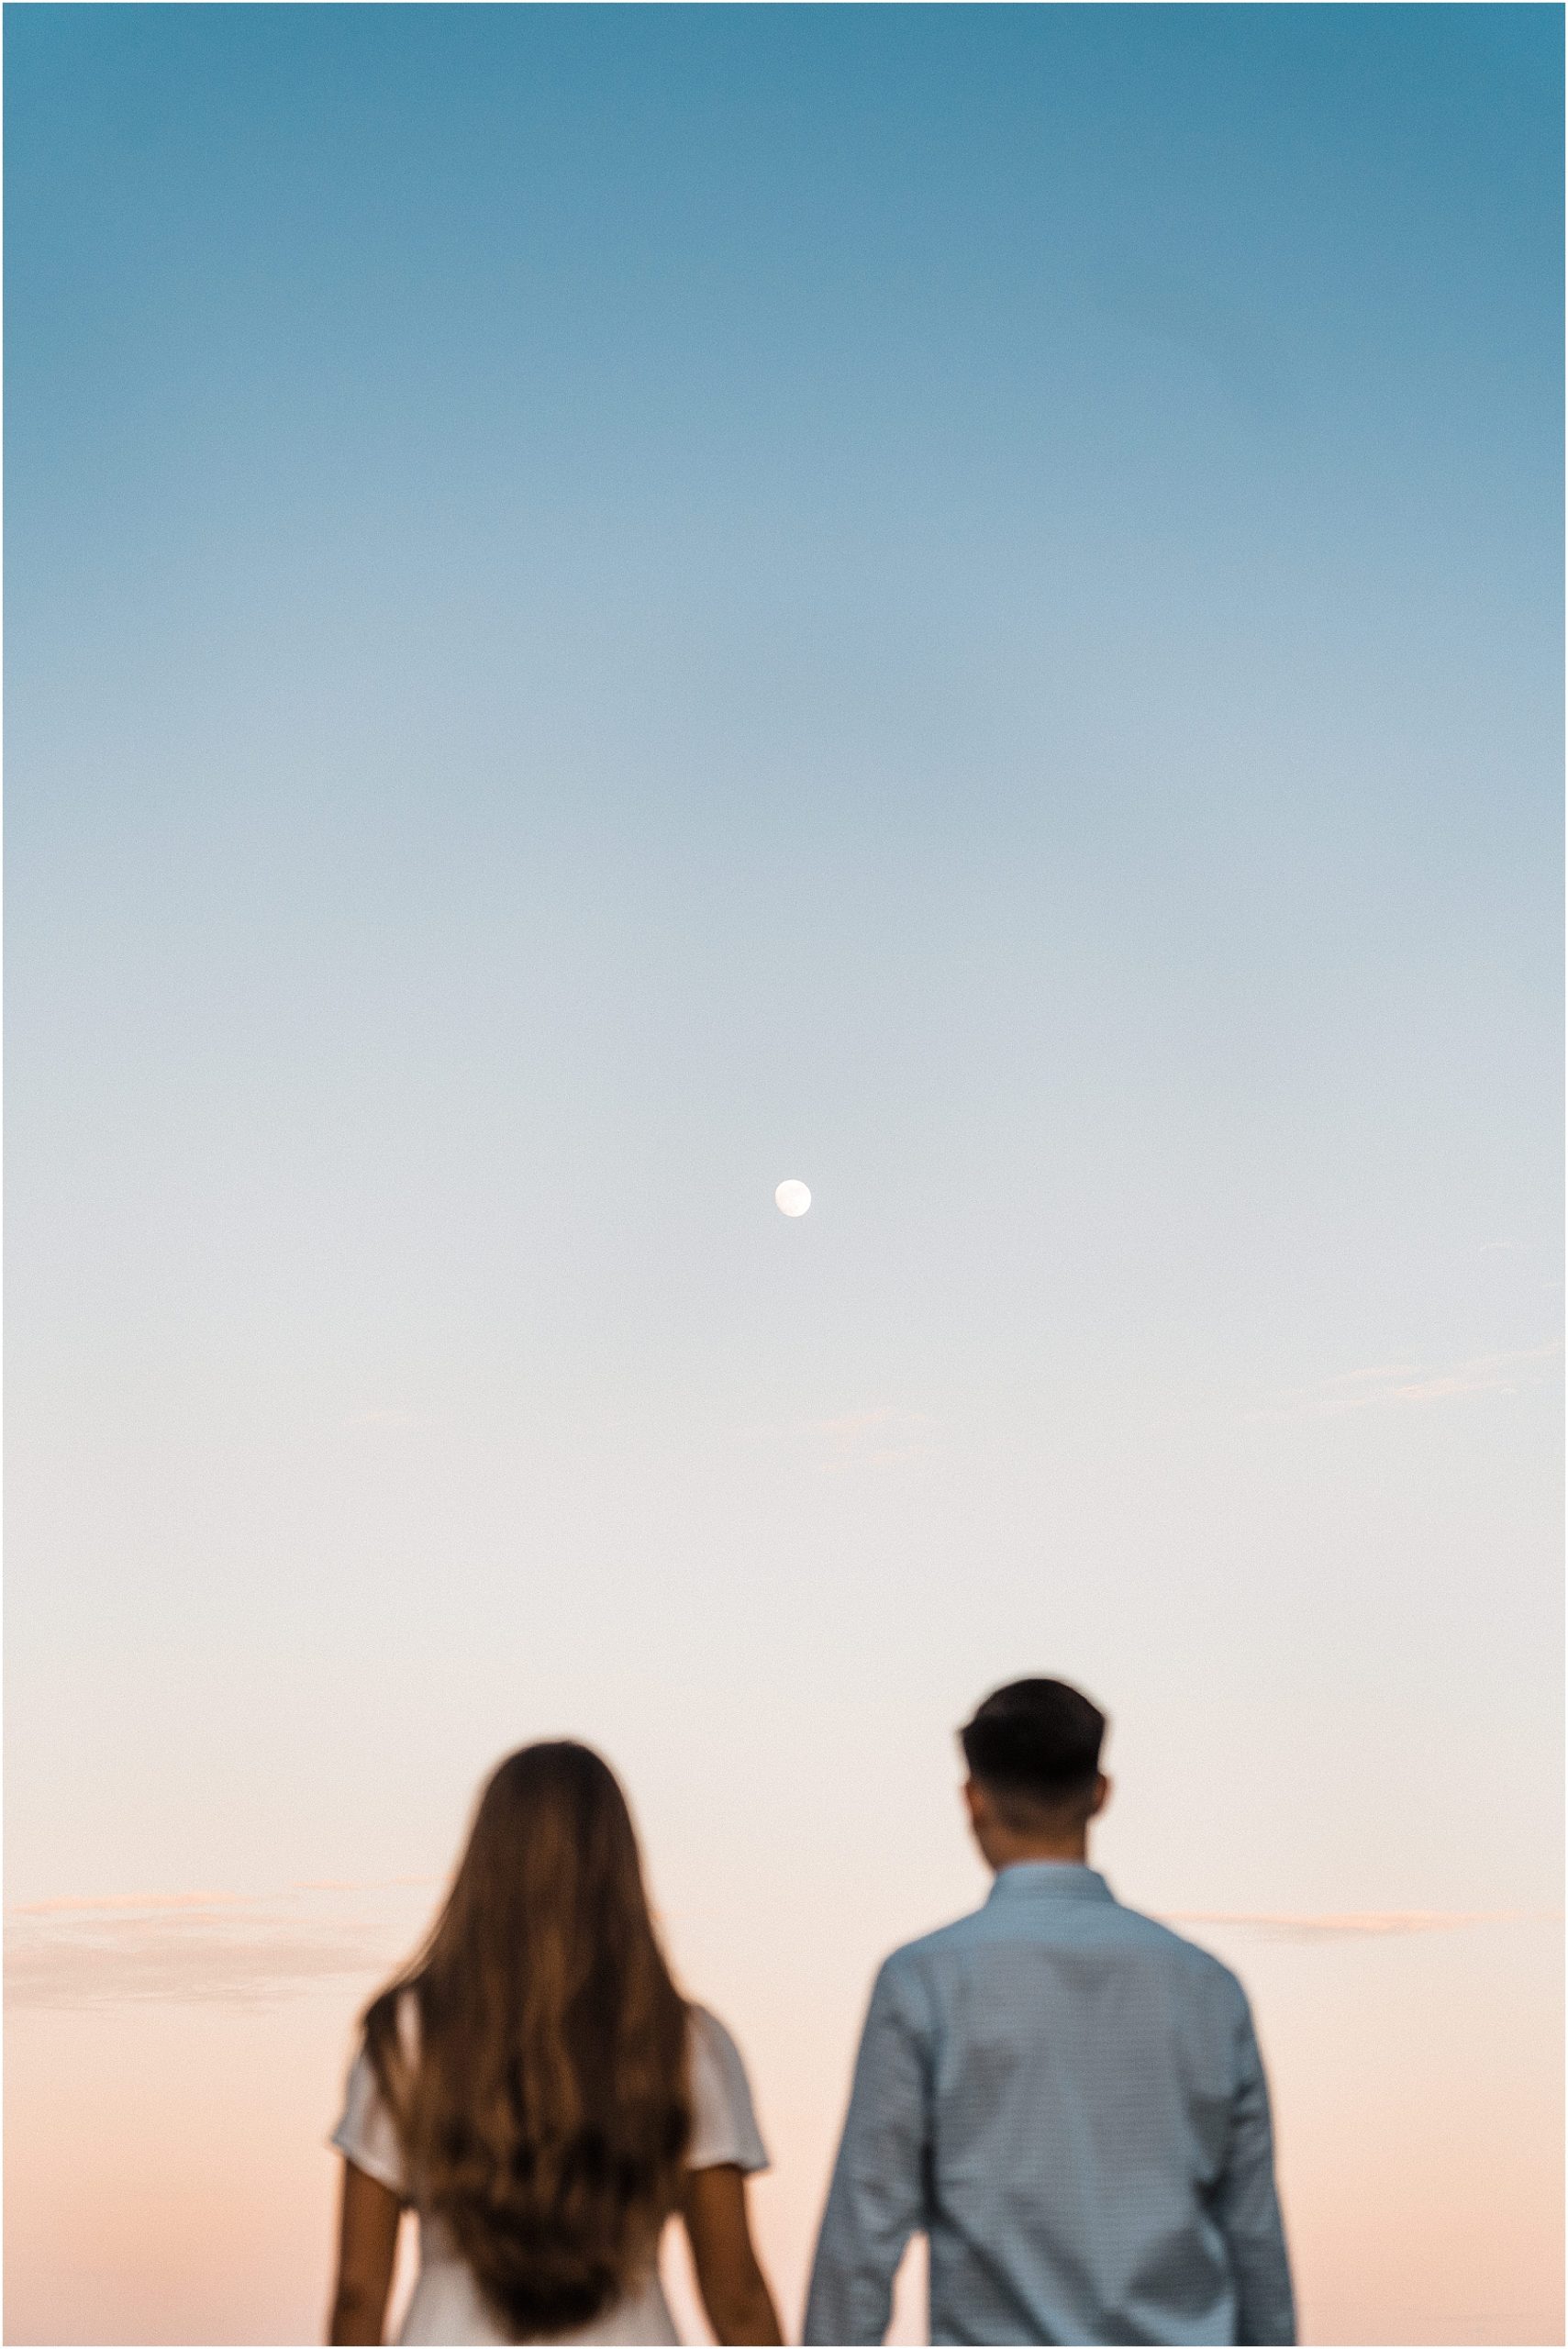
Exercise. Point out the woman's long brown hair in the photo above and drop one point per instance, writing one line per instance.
(544, 2115)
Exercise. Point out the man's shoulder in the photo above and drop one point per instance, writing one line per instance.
(908, 1971)
(1164, 1941)
(957, 1935)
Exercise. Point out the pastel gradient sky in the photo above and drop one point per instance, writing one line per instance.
(610, 604)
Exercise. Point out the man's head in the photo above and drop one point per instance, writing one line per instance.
(1033, 1750)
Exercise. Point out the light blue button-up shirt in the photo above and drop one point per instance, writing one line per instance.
(1067, 2099)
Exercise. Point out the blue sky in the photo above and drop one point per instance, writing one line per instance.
(607, 605)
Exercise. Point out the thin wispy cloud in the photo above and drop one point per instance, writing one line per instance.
(364, 1883)
(137, 1962)
(113, 1903)
(205, 1948)
(852, 1425)
(878, 1437)
(1369, 1924)
(1392, 1386)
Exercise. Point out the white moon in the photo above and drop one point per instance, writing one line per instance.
(792, 1199)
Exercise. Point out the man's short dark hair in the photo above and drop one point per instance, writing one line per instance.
(1035, 1744)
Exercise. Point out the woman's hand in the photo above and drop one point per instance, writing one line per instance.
(734, 2289)
(367, 2246)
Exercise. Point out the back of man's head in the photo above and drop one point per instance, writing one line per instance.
(1034, 1746)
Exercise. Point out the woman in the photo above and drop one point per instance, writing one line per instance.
(536, 2089)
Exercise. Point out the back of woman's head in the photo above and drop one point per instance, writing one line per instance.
(545, 2117)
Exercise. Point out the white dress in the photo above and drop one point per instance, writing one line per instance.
(447, 2307)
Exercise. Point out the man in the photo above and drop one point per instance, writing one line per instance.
(1065, 2097)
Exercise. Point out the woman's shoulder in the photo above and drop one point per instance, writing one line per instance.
(724, 2120)
(367, 2132)
(707, 2033)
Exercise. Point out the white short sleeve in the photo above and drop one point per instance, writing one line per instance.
(724, 2126)
(365, 2134)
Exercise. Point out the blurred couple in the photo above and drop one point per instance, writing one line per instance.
(1063, 2096)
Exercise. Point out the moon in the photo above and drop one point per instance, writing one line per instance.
(792, 1199)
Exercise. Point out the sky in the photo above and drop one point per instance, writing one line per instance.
(607, 606)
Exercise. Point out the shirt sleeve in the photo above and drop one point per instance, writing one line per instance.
(365, 2135)
(724, 2125)
(877, 2199)
(1246, 2205)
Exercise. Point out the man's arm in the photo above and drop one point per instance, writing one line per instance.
(878, 2195)
(1246, 2205)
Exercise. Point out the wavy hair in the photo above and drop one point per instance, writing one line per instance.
(544, 2113)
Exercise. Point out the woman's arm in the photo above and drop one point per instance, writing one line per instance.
(367, 2246)
(734, 2290)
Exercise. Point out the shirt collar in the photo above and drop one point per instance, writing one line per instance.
(1049, 1880)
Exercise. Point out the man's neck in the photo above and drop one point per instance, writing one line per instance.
(1022, 1850)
